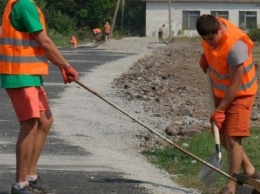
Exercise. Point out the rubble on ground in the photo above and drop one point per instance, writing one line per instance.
(172, 86)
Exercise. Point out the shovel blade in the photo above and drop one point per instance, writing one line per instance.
(208, 175)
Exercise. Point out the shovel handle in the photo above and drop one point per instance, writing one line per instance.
(217, 141)
(215, 128)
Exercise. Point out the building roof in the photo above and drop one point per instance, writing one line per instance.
(207, 1)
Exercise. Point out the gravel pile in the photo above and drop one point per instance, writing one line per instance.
(171, 88)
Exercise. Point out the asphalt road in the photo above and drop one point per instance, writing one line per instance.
(63, 181)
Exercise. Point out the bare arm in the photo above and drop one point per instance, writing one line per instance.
(236, 73)
(51, 50)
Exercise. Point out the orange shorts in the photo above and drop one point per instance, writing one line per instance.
(237, 122)
(28, 102)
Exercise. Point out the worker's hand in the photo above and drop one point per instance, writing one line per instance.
(69, 74)
(218, 116)
(203, 63)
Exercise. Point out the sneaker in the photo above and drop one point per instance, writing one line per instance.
(39, 187)
(25, 190)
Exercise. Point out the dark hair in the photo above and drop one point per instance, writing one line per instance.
(207, 24)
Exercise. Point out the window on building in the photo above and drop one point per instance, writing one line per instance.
(247, 19)
(189, 19)
(223, 14)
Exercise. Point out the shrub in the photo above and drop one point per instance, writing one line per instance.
(254, 34)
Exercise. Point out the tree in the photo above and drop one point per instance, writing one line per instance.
(100, 11)
(58, 21)
(81, 15)
(134, 18)
(41, 4)
(2, 7)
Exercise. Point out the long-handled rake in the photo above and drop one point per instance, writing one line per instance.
(239, 179)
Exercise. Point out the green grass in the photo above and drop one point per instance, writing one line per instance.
(256, 53)
(184, 169)
(59, 39)
(62, 40)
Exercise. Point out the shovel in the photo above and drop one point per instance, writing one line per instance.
(207, 175)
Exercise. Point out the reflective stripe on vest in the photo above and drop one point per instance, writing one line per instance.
(244, 86)
(226, 76)
(23, 60)
(20, 53)
(17, 42)
(217, 59)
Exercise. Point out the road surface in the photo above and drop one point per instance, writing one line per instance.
(92, 147)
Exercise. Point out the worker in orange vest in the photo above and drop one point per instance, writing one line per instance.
(97, 34)
(107, 30)
(73, 42)
(227, 56)
(26, 49)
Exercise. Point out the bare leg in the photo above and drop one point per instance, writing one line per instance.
(44, 125)
(246, 165)
(236, 158)
(24, 148)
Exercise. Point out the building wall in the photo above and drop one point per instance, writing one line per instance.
(157, 13)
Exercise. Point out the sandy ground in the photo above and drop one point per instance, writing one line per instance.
(108, 135)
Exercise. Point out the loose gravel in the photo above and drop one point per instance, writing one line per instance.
(109, 136)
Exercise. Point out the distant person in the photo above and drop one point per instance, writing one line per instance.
(161, 34)
(73, 42)
(97, 34)
(25, 51)
(107, 30)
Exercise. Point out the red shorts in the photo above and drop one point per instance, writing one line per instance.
(237, 122)
(28, 102)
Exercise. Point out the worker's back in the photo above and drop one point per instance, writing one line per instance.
(107, 28)
(73, 41)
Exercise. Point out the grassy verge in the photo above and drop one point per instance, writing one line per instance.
(185, 170)
(83, 37)
(62, 40)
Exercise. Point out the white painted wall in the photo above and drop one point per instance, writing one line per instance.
(157, 13)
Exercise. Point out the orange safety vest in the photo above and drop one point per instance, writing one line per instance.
(19, 52)
(73, 40)
(217, 60)
(96, 30)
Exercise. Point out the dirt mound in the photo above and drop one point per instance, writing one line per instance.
(172, 86)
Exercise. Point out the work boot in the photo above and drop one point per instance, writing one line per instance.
(39, 187)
